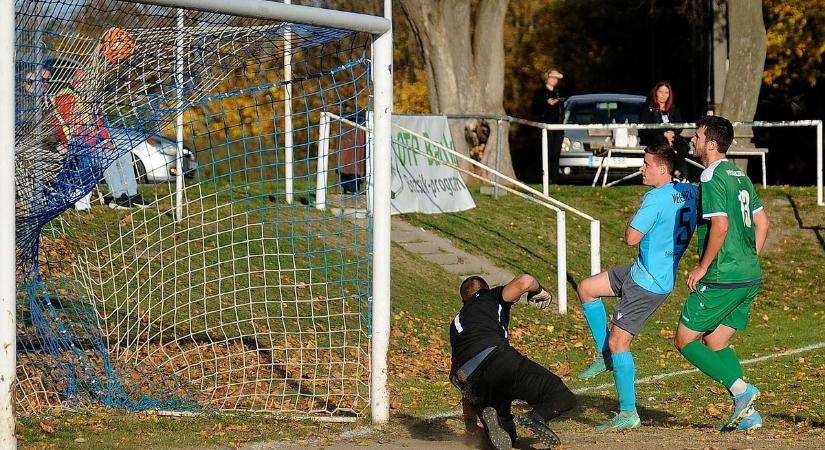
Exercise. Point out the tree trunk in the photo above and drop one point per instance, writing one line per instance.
(463, 51)
(748, 45)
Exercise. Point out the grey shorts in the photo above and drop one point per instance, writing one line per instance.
(636, 304)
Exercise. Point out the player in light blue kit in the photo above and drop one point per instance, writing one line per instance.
(662, 227)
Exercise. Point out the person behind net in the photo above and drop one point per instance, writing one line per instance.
(352, 152)
(662, 228)
(77, 125)
(660, 108)
(491, 374)
(723, 286)
(549, 104)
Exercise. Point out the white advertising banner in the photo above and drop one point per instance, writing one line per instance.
(420, 182)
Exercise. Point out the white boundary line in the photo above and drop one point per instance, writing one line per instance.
(652, 378)
(662, 376)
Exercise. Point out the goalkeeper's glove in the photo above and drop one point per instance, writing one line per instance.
(540, 298)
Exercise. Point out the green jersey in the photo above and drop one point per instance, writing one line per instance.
(727, 191)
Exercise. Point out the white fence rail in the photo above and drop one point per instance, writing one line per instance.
(513, 186)
(544, 127)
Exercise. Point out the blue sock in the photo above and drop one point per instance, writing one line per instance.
(596, 317)
(624, 371)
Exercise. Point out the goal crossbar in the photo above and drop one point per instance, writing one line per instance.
(263, 9)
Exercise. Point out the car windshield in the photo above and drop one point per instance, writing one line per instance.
(603, 111)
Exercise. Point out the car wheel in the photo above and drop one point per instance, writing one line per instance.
(140, 172)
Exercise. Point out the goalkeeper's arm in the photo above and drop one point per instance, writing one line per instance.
(518, 286)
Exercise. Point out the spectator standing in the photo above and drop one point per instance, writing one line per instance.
(70, 112)
(352, 153)
(550, 105)
(660, 108)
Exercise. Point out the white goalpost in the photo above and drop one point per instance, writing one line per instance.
(8, 291)
(222, 293)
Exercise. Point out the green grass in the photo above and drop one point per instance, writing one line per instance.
(519, 235)
(788, 314)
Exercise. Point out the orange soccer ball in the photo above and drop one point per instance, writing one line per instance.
(117, 45)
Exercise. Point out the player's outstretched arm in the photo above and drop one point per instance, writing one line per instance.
(518, 286)
(537, 296)
(760, 222)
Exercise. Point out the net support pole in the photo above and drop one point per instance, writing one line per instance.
(288, 152)
(322, 162)
(381, 160)
(819, 200)
(8, 289)
(595, 247)
(368, 162)
(561, 260)
(498, 156)
(545, 164)
(179, 119)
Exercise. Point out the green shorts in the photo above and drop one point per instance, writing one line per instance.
(708, 307)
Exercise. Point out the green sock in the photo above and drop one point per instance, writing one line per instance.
(730, 360)
(710, 363)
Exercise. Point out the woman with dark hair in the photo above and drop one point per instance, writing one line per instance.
(661, 109)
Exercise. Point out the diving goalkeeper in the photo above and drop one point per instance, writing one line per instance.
(491, 374)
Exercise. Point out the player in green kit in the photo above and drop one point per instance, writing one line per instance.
(732, 231)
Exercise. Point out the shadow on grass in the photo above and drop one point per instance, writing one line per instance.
(438, 429)
(817, 229)
(513, 264)
(499, 235)
(603, 405)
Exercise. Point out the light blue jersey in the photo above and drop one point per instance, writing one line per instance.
(667, 219)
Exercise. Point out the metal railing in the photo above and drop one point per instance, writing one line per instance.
(544, 127)
(515, 187)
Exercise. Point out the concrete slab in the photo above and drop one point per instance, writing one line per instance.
(441, 251)
(443, 258)
(421, 248)
(465, 268)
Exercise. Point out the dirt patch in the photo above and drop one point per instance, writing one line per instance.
(447, 433)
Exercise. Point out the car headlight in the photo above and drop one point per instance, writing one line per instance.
(565, 144)
(577, 146)
(169, 150)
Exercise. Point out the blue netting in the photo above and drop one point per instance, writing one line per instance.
(78, 112)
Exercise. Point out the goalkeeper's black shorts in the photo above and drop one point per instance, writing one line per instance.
(507, 375)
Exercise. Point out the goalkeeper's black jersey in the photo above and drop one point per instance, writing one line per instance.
(482, 323)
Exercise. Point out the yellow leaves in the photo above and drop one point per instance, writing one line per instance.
(794, 47)
(46, 428)
(562, 369)
(412, 95)
(717, 410)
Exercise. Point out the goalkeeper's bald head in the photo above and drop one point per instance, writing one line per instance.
(470, 286)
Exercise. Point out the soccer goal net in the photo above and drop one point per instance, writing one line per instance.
(195, 276)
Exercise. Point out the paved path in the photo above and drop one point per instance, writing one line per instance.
(441, 251)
